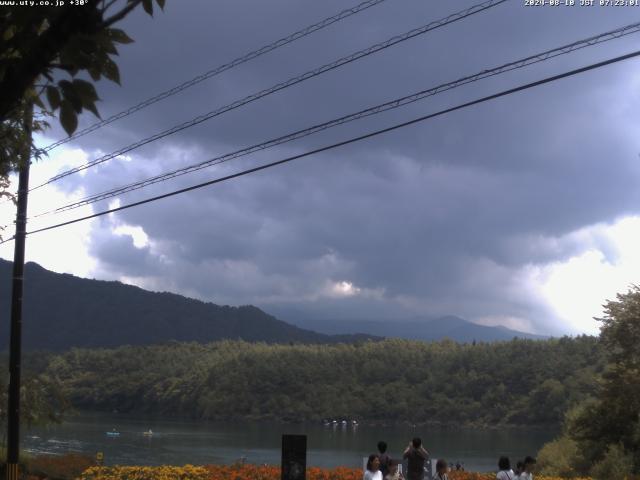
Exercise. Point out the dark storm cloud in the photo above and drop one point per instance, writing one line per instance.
(417, 219)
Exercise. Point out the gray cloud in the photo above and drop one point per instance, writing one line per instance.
(437, 218)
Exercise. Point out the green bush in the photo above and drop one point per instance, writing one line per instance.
(617, 463)
(558, 458)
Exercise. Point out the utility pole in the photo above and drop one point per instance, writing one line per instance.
(15, 345)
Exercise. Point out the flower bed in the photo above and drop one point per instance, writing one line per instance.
(188, 472)
(457, 475)
(247, 472)
(213, 472)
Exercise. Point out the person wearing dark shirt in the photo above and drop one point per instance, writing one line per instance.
(416, 456)
(384, 458)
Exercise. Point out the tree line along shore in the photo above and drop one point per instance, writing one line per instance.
(519, 382)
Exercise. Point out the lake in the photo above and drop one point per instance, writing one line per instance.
(178, 442)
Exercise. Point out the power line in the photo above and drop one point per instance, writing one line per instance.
(288, 83)
(222, 68)
(530, 60)
(349, 141)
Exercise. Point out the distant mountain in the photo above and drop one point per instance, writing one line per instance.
(62, 311)
(428, 329)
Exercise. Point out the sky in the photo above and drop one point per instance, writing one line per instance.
(523, 211)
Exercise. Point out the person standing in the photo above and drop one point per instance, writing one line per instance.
(527, 472)
(416, 456)
(441, 470)
(393, 474)
(373, 468)
(519, 469)
(504, 469)
(384, 458)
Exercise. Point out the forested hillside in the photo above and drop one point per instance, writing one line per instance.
(515, 382)
(62, 311)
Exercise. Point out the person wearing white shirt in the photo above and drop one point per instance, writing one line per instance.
(505, 472)
(373, 468)
(393, 474)
(527, 474)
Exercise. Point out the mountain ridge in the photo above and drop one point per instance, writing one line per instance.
(61, 311)
(416, 328)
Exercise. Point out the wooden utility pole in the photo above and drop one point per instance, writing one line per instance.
(15, 345)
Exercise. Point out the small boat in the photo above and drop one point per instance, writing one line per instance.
(148, 433)
(113, 433)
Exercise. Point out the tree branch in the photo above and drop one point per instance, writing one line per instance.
(121, 14)
(42, 50)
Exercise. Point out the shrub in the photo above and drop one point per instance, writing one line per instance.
(616, 464)
(559, 458)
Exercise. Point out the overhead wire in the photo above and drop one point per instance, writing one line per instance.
(402, 101)
(220, 69)
(347, 142)
(454, 17)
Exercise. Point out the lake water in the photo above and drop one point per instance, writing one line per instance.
(178, 442)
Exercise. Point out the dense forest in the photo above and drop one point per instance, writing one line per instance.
(515, 382)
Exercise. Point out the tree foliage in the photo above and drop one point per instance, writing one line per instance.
(607, 425)
(44, 52)
(41, 399)
(390, 381)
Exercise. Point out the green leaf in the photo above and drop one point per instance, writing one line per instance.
(85, 90)
(87, 93)
(68, 117)
(91, 106)
(53, 97)
(119, 36)
(161, 4)
(104, 43)
(110, 70)
(94, 72)
(148, 6)
(77, 52)
(9, 32)
(71, 95)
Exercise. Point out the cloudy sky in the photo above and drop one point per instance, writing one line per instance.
(523, 211)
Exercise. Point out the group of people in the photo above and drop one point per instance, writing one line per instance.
(523, 469)
(380, 466)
